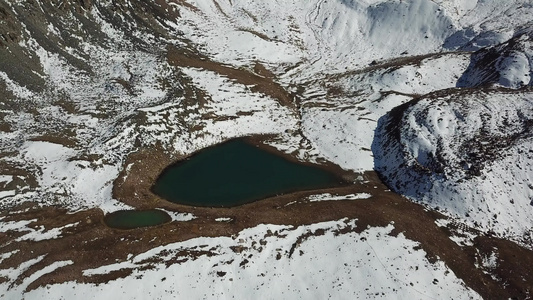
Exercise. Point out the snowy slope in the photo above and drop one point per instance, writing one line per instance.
(326, 35)
(342, 124)
(104, 82)
(332, 36)
(468, 153)
(509, 64)
(370, 264)
(385, 85)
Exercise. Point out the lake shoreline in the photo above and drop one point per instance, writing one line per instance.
(141, 170)
(90, 243)
(240, 171)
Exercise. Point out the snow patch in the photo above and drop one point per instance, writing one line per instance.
(328, 265)
(330, 197)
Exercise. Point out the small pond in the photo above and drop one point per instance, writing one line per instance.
(130, 219)
(235, 173)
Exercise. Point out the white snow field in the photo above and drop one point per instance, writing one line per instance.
(435, 95)
(368, 265)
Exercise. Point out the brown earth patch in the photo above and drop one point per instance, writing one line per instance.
(256, 33)
(260, 84)
(261, 70)
(171, 11)
(66, 139)
(90, 243)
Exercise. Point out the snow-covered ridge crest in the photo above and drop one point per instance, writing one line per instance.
(509, 64)
(467, 153)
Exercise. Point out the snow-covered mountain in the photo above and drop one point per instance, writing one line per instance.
(466, 151)
(507, 64)
(99, 96)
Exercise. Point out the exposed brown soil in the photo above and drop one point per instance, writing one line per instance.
(91, 243)
(261, 70)
(265, 85)
(256, 33)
